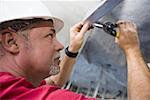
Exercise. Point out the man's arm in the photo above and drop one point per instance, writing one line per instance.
(138, 76)
(77, 33)
(138, 72)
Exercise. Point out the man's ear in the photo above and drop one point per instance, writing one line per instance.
(9, 42)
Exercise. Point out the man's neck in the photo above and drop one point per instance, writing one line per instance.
(7, 65)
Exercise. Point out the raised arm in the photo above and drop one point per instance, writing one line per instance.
(138, 72)
(77, 33)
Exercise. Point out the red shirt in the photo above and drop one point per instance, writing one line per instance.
(18, 88)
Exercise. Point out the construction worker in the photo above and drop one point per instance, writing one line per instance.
(29, 53)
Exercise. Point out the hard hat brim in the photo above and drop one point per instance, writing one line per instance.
(57, 22)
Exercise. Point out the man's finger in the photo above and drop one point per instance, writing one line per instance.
(116, 40)
(77, 26)
(84, 29)
(121, 24)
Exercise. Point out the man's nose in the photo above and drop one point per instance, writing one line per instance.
(58, 46)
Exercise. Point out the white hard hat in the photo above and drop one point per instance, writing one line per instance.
(12, 10)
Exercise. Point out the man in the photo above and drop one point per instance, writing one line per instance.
(29, 53)
(30, 50)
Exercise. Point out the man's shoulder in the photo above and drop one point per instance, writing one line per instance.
(12, 86)
(18, 88)
(7, 79)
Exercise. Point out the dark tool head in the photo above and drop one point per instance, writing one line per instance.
(110, 28)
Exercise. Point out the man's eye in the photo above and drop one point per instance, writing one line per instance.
(49, 35)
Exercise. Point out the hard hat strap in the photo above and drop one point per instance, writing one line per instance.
(19, 24)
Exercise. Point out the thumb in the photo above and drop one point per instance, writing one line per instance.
(116, 40)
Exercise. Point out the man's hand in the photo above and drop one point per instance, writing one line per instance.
(128, 38)
(77, 33)
(138, 72)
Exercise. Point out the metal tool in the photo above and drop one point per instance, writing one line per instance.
(108, 27)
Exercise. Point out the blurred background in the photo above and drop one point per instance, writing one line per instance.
(101, 70)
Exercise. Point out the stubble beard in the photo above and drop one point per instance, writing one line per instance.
(54, 70)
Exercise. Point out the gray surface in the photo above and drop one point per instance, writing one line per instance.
(103, 8)
(101, 51)
(101, 61)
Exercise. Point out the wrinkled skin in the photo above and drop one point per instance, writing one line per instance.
(34, 58)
